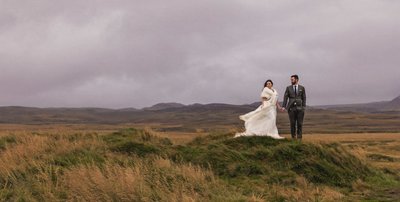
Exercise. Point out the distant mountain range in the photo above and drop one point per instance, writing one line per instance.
(169, 113)
(393, 105)
(161, 106)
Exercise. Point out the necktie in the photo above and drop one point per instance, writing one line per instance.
(295, 90)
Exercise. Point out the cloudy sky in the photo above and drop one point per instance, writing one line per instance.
(135, 53)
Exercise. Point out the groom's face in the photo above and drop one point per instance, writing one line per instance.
(293, 80)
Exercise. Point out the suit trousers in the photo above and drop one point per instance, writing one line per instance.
(296, 117)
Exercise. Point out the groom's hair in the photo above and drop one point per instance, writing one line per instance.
(295, 76)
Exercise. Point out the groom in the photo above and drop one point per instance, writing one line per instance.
(296, 106)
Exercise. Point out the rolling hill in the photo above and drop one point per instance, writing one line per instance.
(371, 117)
(161, 106)
(386, 106)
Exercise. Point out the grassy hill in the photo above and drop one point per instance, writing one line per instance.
(137, 165)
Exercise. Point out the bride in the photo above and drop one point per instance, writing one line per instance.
(262, 121)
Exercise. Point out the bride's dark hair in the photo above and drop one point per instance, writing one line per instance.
(269, 80)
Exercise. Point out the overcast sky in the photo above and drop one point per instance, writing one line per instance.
(136, 53)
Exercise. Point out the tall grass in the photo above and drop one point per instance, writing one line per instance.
(137, 165)
(146, 180)
(52, 167)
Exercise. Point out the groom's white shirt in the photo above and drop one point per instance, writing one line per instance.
(296, 89)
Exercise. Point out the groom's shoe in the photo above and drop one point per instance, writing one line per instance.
(299, 136)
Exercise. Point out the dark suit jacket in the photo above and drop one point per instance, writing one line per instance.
(291, 100)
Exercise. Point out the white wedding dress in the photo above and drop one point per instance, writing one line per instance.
(262, 121)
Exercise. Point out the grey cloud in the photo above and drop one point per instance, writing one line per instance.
(137, 53)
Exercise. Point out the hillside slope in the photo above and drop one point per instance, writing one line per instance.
(137, 165)
(261, 165)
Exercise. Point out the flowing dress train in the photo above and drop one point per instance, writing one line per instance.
(262, 121)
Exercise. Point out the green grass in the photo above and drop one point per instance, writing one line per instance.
(214, 167)
(137, 142)
(251, 163)
(268, 158)
(80, 156)
(384, 186)
(6, 140)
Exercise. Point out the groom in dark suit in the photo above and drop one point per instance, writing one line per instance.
(294, 101)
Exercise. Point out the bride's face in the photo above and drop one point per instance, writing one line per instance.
(269, 85)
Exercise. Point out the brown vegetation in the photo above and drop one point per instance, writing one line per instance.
(74, 162)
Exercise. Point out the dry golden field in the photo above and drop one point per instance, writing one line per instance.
(78, 162)
(363, 144)
(74, 163)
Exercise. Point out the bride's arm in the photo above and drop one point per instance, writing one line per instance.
(264, 99)
(265, 95)
(278, 105)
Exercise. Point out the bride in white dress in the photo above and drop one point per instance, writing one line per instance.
(262, 121)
